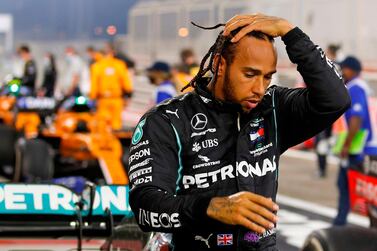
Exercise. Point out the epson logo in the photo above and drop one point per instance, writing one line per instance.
(204, 180)
(139, 154)
(156, 220)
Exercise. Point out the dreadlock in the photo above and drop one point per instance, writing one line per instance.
(220, 47)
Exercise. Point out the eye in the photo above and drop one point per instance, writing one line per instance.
(248, 75)
(268, 77)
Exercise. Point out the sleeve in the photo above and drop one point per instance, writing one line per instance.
(93, 81)
(154, 172)
(302, 113)
(357, 98)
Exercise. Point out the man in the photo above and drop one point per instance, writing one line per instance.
(93, 54)
(359, 126)
(73, 74)
(204, 166)
(160, 75)
(186, 70)
(30, 69)
(109, 83)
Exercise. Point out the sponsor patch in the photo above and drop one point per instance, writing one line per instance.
(194, 134)
(141, 164)
(140, 172)
(224, 239)
(199, 121)
(138, 134)
(139, 154)
(142, 143)
(142, 180)
(173, 112)
(158, 220)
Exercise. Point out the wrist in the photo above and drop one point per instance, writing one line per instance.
(285, 27)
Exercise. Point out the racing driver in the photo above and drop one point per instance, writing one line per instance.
(204, 165)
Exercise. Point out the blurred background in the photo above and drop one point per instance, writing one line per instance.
(157, 35)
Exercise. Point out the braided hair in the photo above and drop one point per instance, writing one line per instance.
(223, 47)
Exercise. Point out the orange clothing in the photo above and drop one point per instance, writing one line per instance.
(110, 110)
(109, 79)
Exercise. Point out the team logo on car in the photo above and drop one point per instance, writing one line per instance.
(199, 121)
(138, 134)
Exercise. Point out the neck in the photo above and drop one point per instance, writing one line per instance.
(216, 88)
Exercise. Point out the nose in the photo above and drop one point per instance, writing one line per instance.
(259, 87)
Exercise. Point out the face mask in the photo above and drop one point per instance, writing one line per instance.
(46, 62)
(68, 59)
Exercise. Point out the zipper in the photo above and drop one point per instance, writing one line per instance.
(239, 121)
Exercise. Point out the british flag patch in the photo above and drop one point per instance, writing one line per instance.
(224, 239)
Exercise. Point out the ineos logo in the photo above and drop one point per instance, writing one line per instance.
(199, 121)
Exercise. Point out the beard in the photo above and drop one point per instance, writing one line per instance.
(228, 88)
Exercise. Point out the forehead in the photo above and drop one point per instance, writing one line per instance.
(256, 53)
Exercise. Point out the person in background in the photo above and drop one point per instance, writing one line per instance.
(29, 76)
(50, 74)
(160, 75)
(94, 55)
(72, 79)
(358, 120)
(186, 70)
(110, 82)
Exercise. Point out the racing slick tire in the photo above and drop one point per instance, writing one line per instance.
(342, 238)
(8, 136)
(34, 161)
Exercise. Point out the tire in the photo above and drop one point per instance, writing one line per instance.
(8, 136)
(316, 242)
(342, 238)
(34, 161)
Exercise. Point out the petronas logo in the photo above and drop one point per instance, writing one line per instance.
(138, 134)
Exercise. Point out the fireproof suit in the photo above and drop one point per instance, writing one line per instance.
(193, 147)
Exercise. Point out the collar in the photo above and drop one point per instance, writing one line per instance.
(263, 108)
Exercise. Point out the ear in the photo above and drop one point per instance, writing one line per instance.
(221, 63)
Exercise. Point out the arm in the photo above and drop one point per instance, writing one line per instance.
(153, 171)
(305, 112)
(353, 127)
(301, 112)
(93, 81)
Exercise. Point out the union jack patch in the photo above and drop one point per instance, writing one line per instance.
(224, 239)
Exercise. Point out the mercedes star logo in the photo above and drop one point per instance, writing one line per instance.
(199, 121)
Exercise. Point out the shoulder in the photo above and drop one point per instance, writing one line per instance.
(173, 108)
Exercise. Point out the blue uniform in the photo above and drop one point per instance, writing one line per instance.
(165, 91)
(359, 92)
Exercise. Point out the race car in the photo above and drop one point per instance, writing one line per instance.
(53, 217)
(21, 115)
(74, 142)
(363, 200)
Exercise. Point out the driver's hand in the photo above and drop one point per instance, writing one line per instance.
(246, 209)
(272, 26)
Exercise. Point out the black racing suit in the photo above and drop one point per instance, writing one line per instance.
(192, 148)
(30, 74)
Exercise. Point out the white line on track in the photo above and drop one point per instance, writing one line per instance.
(321, 210)
(309, 156)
